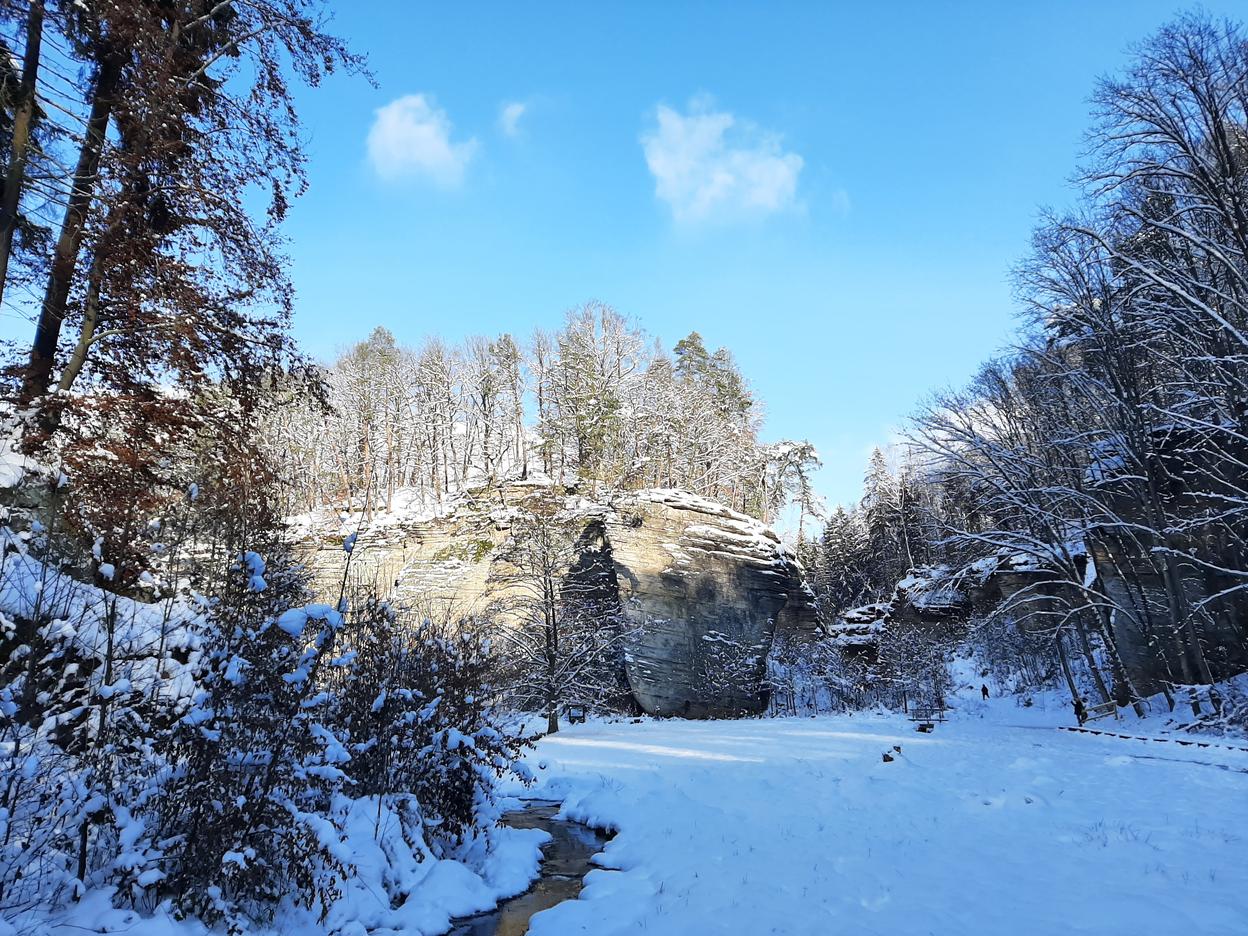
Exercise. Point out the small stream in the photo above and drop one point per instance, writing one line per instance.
(566, 859)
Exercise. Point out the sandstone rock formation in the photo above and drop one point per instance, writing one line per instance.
(707, 589)
(703, 588)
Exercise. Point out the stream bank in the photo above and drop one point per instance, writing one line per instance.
(566, 859)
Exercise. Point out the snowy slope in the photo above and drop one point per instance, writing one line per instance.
(996, 823)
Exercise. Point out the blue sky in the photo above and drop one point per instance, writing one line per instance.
(834, 191)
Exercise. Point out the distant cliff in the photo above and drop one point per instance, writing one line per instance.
(705, 588)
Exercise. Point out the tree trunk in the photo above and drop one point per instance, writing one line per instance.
(69, 244)
(550, 611)
(389, 465)
(1187, 637)
(90, 322)
(1085, 646)
(1124, 690)
(91, 304)
(1070, 679)
(23, 122)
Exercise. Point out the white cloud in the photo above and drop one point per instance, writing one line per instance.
(411, 137)
(509, 117)
(708, 164)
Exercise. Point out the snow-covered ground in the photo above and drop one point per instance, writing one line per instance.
(996, 823)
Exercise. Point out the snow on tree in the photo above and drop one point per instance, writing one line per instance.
(560, 631)
(605, 409)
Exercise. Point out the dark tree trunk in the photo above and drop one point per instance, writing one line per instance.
(69, 243)
(23, 122)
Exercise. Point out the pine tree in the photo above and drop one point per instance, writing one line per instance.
(841, 574)
(881, 517)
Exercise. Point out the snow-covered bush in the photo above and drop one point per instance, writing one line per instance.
(1017, 659)
(214, 754)
(257, 760)
(807, 677)
(725, 664)
(415, 699)
(914, 662)
(88, 682)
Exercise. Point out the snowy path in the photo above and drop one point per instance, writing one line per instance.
(798, 827)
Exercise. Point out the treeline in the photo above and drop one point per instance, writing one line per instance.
(597, 400)
(1111, 448)
(865, 550)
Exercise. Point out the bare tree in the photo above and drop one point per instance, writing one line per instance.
(559, 626)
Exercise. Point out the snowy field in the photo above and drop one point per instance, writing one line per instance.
(996, 823)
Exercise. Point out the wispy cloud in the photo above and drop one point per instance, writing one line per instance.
(411, 137)
(509, 117)
(709, 164)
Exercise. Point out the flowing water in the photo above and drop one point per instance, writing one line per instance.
(566, 859)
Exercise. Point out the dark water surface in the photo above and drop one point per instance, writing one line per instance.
(565, 861)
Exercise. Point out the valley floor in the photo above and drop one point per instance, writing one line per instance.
(996, 823)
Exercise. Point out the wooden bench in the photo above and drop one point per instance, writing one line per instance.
(1103, 710)
(927, 716)
(576, 714)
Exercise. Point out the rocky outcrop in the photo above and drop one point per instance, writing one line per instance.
(706, 589)
(943, 600)
(703, 589)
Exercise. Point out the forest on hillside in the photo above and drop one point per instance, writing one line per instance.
(1107, 452)
(598, 400)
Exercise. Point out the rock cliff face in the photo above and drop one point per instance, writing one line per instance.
(703, 588)
(707, 589)
(1152, 650)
